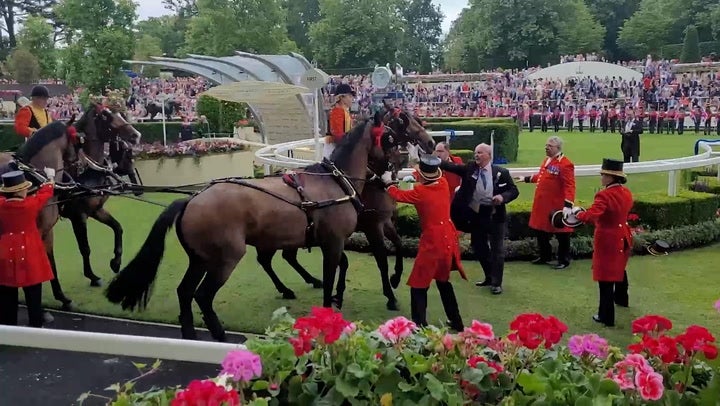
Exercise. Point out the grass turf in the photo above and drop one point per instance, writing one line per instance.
(682, 286)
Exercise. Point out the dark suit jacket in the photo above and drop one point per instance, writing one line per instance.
(460, 212)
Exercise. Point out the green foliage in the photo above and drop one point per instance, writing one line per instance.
(705, 184)
(465, 154)
(301, 14)
(36, 37)
(145, 47)
(506, 136)
(222, 115)
(23, 66)
(673, 51)
(691, 46)
(169, 31)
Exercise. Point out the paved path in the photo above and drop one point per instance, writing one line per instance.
(30, 376)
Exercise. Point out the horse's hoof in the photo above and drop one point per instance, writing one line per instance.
(289, 294)
(317, 284)
(395, 280)
(115, 265)
(392, 305)
(96, 283)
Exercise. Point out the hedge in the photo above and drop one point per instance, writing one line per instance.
(673, 51)
(656, 211)
(706, 184)
(689, 236)
(506, 137)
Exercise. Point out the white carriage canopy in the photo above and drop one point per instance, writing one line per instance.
(579, 70)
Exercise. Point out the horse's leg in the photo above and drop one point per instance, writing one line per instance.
(79, 225)
(290, 256)
(106, 218)
(391, 233)
(58, 293)
(185, 292)
(264, 257)
(340, 288)
(376, 240)
(332, 251)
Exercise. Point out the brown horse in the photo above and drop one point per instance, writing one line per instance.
(316, 206)
(377, 220)
(99, 126)
(49, 147)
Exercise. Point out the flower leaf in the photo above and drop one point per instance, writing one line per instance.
(346, 388)
(531, 383)
(436, 388)
(356, 370)
(260, 385)
(584, 401)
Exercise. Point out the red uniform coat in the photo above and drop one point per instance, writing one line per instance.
(453, 180)
(555, 190)
(23, 261)
(613, 241)
(438, 250)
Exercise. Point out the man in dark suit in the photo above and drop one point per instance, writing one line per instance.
(478, 208)
(630, 144)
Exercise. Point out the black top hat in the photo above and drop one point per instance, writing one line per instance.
(14, 181)
(344, 88)
(612, 167)
(557, 220)
(659, 247)
(429, 166)
(39, 91)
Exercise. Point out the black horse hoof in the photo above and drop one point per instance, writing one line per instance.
(115, 265)
(68, 306)
(392, 305)
(289, 294)
(395, 280)
(317, 284)
(96, 283)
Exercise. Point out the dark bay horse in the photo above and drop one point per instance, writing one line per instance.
(100, 126)
(317, 207)
(377, 221)
(49, 147)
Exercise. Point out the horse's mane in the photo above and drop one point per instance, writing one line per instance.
(41, 139)
(345, 147)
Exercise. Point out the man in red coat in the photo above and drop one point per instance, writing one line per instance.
(438, 251)
(613, 240)
(442, 151)
(23, 263)
(555, 190)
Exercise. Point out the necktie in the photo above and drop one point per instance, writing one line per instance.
(482, 176)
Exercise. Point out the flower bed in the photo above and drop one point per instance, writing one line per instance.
(324, 359)
(191, 148)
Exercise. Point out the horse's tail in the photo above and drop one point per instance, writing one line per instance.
(132, 285)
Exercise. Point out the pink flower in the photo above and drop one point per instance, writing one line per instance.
(483, 331)
(242, 365)
(448, 341)
(349, 329)
(649, 385)
(396, 329)
(589, 344)
(717, 305)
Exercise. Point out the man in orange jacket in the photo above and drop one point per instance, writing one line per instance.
(555, 191)
(35, 115)
(442, 151)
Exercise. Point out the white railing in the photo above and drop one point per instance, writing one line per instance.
(117, 344)
(282, 155)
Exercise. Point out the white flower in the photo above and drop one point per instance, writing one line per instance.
(222, 381)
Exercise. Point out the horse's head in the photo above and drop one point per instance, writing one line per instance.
(101, 124)
(406, 127)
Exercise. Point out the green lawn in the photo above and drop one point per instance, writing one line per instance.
(589, 149)
(682, 286)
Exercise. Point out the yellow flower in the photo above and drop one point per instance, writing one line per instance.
(386, 400)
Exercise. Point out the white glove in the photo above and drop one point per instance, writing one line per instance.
(409, 178)
(576, 210)
(50, 173)
(387, 177)
(567, 211)
(412, 152)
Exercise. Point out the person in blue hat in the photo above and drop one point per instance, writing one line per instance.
(23, 262)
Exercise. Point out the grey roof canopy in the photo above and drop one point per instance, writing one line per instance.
(245, 66)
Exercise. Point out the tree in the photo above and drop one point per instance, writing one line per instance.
(580, 32)
(691, 46)
(182, 8)
(23, 66)
(145, 47)
(649, 28)
(224, 26)
(168, 30)
(425, 66)
(301, 14)
(611, 14)
(36, 36)
(99, 35)
(421, 32)
(353, 34)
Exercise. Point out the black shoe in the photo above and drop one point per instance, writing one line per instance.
(561, 265)
(622, 303)
(597, 319)
(496, 290)
(457, 327)
(540, 261)
(483, 283)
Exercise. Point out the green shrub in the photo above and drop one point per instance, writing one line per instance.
(506, 136)
(705, 184)
(685, 237)
(656, 211)
(222, 115)
(464, 154)
(691, 46)
(673, 51)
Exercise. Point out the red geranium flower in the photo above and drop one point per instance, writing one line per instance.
(698, 339)
(475, 360)
(323, 324)
(651, 324)
(205, 393)
(532, 329)
(663, 347)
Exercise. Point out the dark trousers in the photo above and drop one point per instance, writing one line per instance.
(612, 293)
(563, 253)
(9, 305)
(488, 243)
(630, 146)
(418, 305)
